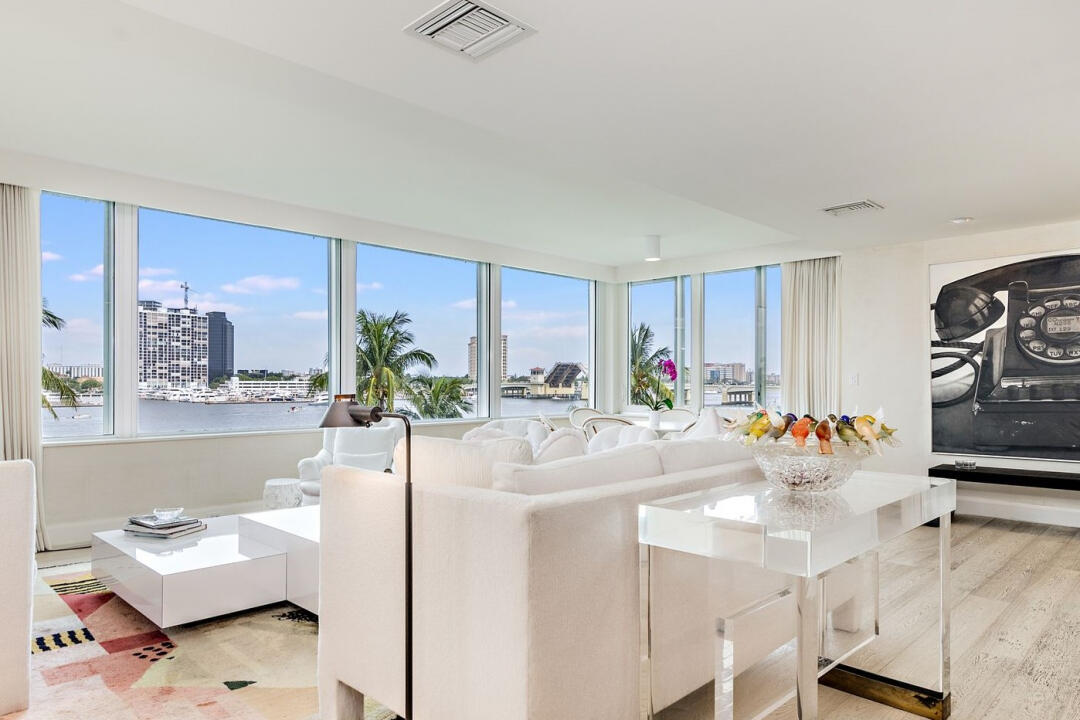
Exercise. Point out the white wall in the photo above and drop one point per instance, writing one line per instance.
(885, 342)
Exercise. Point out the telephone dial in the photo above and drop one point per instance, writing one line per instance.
(1027, 374)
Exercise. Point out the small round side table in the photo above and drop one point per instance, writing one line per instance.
(282, 493)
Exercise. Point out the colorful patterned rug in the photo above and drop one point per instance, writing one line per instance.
(93, 656)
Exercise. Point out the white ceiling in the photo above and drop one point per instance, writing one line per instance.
(718, 124)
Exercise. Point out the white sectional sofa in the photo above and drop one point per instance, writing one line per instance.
(18, 569)
(526, 590)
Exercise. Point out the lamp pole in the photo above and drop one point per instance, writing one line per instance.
(346, 412)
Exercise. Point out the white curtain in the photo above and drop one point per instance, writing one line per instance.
(20, 331)
(810, 347)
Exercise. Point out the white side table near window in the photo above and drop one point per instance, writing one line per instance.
(812, 559)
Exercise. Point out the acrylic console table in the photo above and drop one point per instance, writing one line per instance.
(813, 560)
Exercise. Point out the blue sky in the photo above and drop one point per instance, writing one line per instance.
(272, 285)
(729, 315)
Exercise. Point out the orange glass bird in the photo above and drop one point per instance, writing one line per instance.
(801, 430)
(824, 436)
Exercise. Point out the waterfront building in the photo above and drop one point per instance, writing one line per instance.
(220, 346)
(297, 387)
(472, 358)
(90, 370)
(173, 347)
(732, 372)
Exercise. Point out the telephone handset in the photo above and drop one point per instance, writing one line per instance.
(1036, 356)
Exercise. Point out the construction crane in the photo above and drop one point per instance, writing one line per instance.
(185, 287)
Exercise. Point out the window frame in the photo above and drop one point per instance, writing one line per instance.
(691, 320)
(121, 279)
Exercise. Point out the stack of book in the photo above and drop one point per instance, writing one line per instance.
(151, 526)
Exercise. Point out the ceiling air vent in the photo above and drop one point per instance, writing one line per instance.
(471, 28)
(848, 208)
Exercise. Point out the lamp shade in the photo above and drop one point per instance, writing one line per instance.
(337, 415)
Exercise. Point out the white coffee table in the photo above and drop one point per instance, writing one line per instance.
(199, 576)
(294, 531)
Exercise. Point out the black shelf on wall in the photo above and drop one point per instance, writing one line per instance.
(1009, 476)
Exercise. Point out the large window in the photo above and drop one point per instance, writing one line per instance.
(417, 346)
(232, 326)
(75, 243)
(545, 343)
(660, 330)
(742, 338)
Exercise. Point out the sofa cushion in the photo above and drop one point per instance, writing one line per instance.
(447, 461)
(632, 462)
(708, 424)
(562, 443)
(368, 461)
(619, 436)
(679, 455)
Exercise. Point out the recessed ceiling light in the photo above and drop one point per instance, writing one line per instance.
(652, 248)
(961, 220)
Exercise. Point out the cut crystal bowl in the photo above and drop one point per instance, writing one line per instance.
(789, 467)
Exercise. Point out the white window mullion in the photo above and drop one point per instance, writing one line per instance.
(494, 341)
(124, 370)
(342, 294)
(697, 341)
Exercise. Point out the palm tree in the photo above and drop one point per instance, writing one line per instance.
(385, 354)
(439, 397)
(50, 381)
(644, 364)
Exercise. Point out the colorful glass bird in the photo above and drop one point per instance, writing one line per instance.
(824, 436)
(800, 430)
(846, 432)
(864, 425)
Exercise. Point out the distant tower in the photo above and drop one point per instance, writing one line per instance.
(220, 361)
(473, 359)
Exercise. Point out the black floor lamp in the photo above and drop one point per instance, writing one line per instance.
(345, 412)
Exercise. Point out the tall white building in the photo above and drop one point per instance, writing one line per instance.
(174, 347)
(472, 358)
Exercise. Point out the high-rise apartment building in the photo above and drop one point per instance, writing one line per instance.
(173, 346)
(220, 350)
(472, 359)
(726, 373)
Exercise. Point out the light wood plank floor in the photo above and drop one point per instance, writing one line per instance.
(1015, 625)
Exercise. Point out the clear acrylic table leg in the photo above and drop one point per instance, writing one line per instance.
(945, 569)
(808, 608)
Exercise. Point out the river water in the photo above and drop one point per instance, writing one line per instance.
(160, 417)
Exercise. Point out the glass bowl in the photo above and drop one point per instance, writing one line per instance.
(166, 514)
(805, 469)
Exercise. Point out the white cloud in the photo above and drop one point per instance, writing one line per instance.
(470, 304)
(319, 291)
(159, 285)
(537, 317)
(551, 331)
(47, 256)
(366, 287)
(257, 284)
(206, 302)
(310, 315)
(155, 272)
(94, 272)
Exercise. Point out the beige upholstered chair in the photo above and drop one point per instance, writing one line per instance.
(679, 415)
(17, 565)
(595, 424)
(579, 415)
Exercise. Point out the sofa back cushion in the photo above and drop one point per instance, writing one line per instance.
(691, 454)
(619, 436)
(378, 461)
(632, 462)
(560, 444)
(447, 461)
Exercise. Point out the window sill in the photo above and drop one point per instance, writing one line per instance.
(418, 428)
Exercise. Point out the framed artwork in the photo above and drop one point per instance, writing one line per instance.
(1005, 350)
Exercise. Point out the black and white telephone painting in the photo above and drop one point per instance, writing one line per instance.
(1005, 350)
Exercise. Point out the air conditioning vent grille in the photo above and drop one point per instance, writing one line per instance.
(471, 28)
(853, 207)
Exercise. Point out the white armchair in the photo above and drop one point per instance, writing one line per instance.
(368, 448)
(17, 566)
